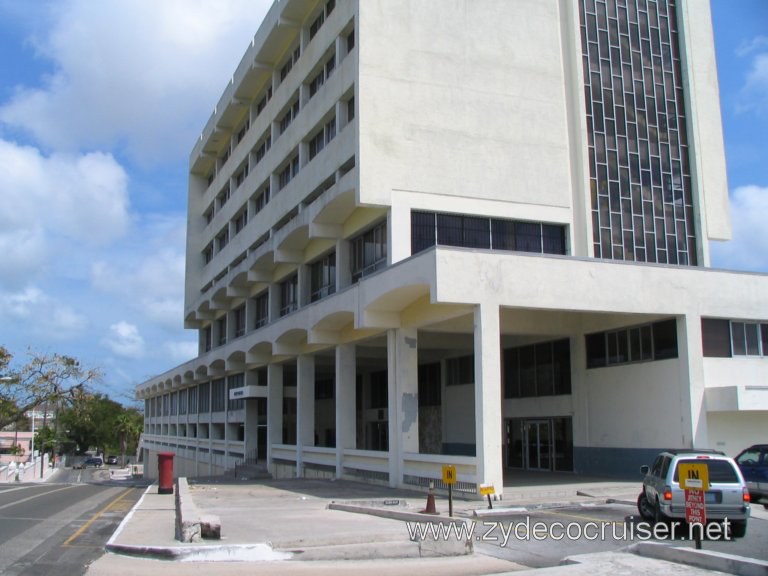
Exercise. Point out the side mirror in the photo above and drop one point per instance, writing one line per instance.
(644, 469)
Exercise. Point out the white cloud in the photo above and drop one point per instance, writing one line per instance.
(753, 96)
(136, 73)
(180, 351)
(748, 250)
(35, 313)
(149, 276)
(125, 340)
(49, 199)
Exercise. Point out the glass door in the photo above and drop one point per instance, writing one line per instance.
(538, 445)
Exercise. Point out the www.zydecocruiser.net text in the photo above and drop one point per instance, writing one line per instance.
(526, 530)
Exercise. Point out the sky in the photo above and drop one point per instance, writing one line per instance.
(100, 105)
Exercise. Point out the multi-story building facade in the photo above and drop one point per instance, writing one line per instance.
(471, 232)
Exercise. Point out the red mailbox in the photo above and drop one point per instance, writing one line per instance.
(165, 469)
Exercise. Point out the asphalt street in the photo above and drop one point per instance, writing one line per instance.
(58, 528)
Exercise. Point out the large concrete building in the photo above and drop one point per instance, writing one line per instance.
(469, 232)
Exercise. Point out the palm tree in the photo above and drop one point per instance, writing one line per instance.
(128, 428)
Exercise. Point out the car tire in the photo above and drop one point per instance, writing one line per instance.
(644, 507)
(738, 528)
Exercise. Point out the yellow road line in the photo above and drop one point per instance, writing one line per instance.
(95, 517)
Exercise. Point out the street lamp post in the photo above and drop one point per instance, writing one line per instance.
(33, 443)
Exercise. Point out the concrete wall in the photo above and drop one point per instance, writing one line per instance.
(731, 432)
(459, 419)
(456, 109)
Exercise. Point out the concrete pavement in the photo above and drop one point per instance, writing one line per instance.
(269, 526)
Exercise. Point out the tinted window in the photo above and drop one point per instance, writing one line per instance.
(665, 339)
(716, 338)
(720, 471)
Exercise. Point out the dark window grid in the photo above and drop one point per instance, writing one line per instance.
(262, 310)
(289, 295)
(369, 251)
(323, 277)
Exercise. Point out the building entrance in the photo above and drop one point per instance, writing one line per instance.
(539, 443)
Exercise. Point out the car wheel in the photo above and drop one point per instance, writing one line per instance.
(738, 528)
(644, 507)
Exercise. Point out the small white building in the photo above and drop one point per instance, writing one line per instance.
(470, 232)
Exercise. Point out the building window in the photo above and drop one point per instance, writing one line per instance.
(261, 304)
(261, 199)
(183, 401)
(289, 116)
(238, 315)
(243, 130)
(222, 197)
(264, 101)
(207, 338)
(350, 41)
(234, 382)
(289, 295)
(218, 396)
(241, 220)
(241, 176)
(728, 338)
(369, 251)
(204, 397)
(351, 109)
(538, 370)
(192, 400)
(640, 177)
(288, 66)
(221, 331)
(165, 404)
(323, 277)
(208, 215)
(174, 403)
(431, 228)
(208, 253)
(288, 172)
(657, 341)
(460, 371)
(222, 239)
(322, 138)
(430, 385)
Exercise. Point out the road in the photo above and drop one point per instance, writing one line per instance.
(59, 527)
(565, 532)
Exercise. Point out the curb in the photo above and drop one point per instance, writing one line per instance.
(706, 559)
(230, 553)
(484, 512)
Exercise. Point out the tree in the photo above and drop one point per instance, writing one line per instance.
(129, 426)
(51, 379)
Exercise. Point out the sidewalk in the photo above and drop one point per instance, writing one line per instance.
(270, 526)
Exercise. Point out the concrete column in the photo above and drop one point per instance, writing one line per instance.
(399, 233)
(274, 410)
(346, 403)
(305, 408)
(343, 265)
(403, 398)
(488, 424)
(691, 382)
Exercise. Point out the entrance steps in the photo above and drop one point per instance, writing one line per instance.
(251, 472)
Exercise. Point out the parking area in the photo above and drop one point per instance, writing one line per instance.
(541, 538)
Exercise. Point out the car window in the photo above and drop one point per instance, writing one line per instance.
(749, 458)
(720, 471)
(656, 469)
(665, 466)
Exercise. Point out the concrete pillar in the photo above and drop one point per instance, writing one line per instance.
(305, 408)
(346, 403)
(488, 424)
(399, 232)
(403, 398)
(691, 381)
(274, 410)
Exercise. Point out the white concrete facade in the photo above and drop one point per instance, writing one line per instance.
(419, 285)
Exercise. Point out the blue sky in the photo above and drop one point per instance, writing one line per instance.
(100, 104)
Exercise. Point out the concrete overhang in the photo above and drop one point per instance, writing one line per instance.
(736, 398)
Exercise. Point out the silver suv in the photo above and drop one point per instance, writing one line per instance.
(662, 498)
